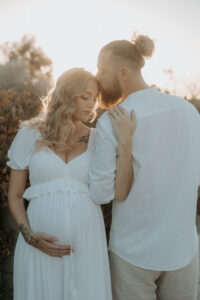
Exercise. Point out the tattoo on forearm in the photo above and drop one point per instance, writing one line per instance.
(84, 139)
(27, 234)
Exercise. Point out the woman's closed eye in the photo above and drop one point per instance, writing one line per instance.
(84, 97)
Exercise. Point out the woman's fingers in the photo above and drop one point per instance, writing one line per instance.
(61, 253)
(47, 237)
(133, 116)
(133, 119)
(59, 247)
(123, 122)
(46, 244)
(49, 240)
(117, 112)
(114, 122)
(54, 250)
(122, 110)
(55, 247)
(55, 253)
(113, 113)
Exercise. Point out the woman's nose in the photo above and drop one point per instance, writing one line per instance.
(91, 103)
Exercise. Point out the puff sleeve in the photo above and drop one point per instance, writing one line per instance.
(22, 148)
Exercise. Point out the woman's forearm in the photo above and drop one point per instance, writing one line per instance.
(18, 212)
(124, 127)
(124, 171)
(17, 185)
(43, 242)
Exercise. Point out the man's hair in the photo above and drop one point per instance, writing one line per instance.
(133, 52)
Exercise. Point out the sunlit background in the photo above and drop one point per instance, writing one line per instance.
(72, 32)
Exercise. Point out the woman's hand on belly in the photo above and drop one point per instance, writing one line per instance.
(44, 242)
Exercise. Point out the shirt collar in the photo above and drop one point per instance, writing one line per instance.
(141, 93)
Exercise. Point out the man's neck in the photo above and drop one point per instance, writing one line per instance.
(133, 87)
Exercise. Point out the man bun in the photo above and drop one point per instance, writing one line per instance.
(144, 45)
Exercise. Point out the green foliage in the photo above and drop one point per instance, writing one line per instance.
(24, 78)
(7, 240)
(14, 106)
(37, 61)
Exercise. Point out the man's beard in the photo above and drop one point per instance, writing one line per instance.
(110, 97)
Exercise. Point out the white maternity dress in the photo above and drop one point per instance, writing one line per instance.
(60, 205)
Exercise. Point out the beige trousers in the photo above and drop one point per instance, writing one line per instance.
(133, 283)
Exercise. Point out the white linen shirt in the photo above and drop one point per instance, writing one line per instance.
(154, 228)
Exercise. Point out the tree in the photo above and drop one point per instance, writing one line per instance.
(25, 76)
(26, 67)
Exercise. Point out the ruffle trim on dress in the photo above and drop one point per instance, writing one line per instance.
(54, 186)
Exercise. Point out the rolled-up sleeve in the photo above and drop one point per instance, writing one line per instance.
(103, 164)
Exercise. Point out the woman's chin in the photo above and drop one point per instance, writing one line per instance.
(83, 120)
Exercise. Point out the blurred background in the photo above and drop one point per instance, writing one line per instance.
(41, 39)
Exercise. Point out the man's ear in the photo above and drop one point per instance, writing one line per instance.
(124, 74)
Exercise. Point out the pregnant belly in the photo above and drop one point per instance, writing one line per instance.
(65, 216)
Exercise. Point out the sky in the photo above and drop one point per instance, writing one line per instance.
(72, 32)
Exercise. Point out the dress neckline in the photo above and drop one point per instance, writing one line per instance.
(76, 157)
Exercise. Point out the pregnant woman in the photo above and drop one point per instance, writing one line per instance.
(61, 251)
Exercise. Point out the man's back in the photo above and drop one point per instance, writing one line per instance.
(154, 228)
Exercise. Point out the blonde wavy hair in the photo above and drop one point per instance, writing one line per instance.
(55, 121)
